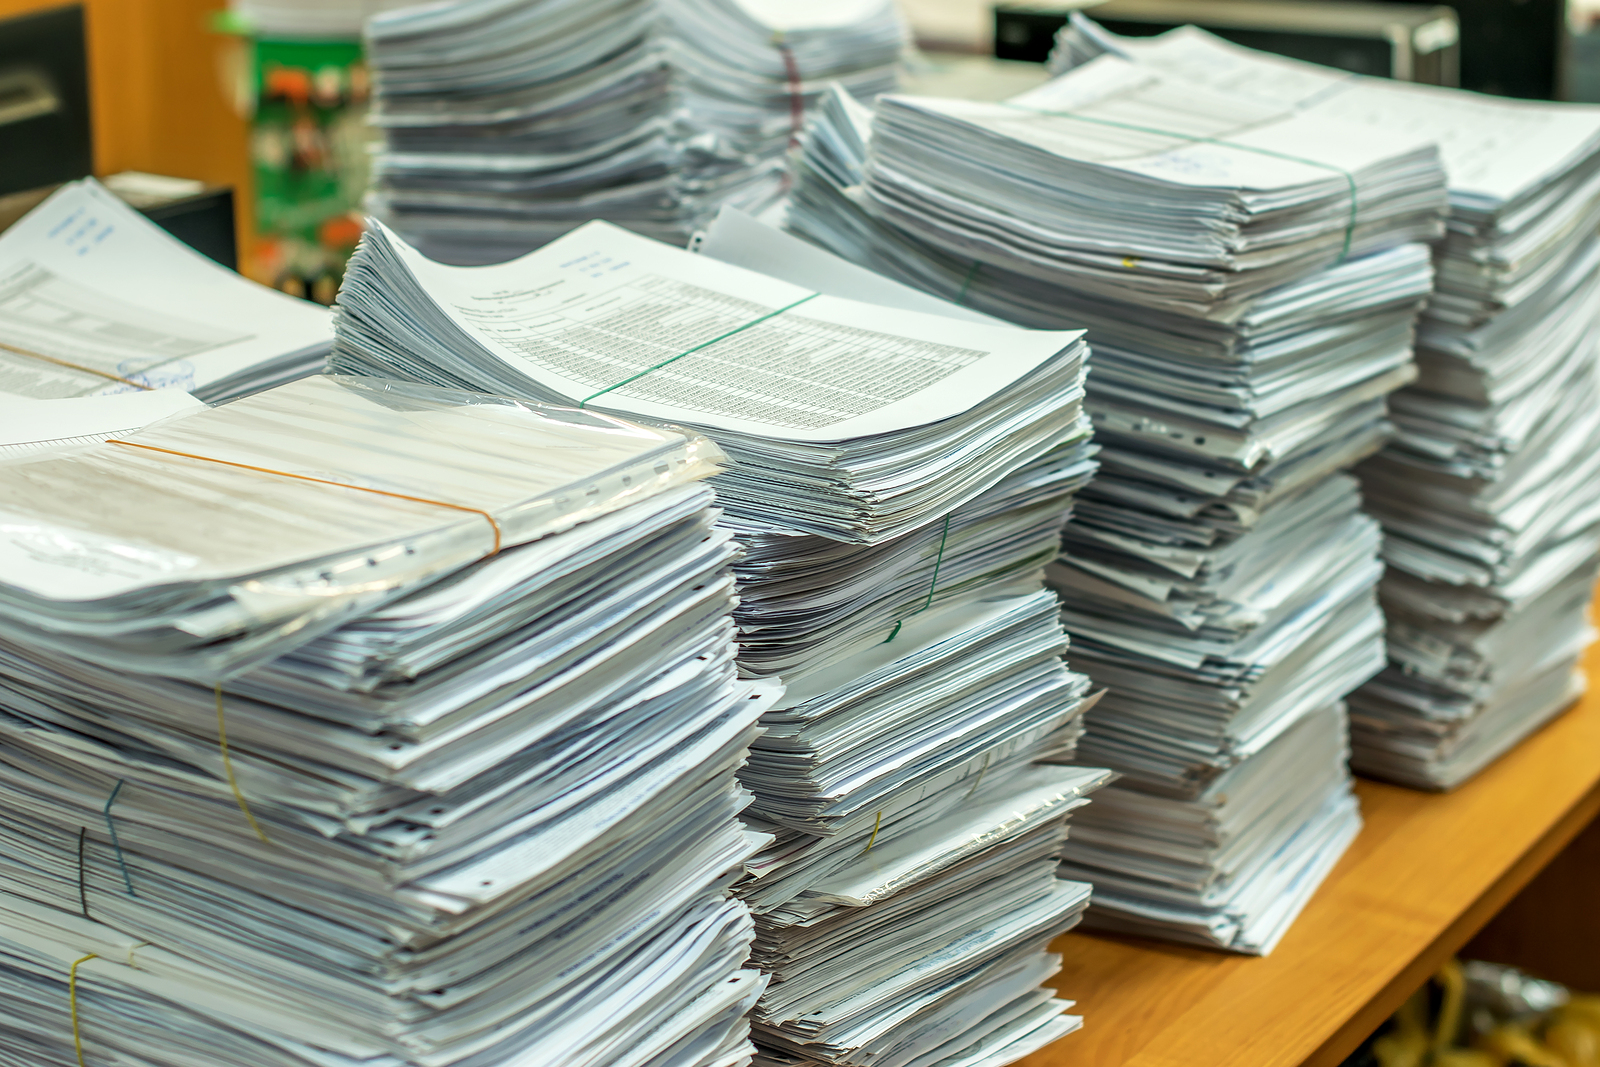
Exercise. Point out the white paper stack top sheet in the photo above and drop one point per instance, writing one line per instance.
(508, 122)
(483, 811)
(107, 322)
(1490, 493)
(845, 419)
(1218, 576)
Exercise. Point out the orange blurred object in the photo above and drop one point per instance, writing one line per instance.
(340, 232)
(289, 83)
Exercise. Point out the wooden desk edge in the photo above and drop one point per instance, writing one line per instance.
(1356, 1029)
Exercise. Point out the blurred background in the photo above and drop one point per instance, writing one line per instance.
(240, 128)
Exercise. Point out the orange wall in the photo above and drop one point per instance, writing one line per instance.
(156, 88)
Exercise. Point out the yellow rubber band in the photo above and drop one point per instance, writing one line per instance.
(72, 1002)
(875, 824)
(227, 765)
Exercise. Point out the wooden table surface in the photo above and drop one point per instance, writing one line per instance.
(1425, 874)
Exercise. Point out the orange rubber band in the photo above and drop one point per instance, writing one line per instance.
(76, 366)
(323, 481)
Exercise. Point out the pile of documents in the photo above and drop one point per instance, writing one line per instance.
(1490, 493)
(431, 761)
(1234, 864)
(1249, 278)
(897, 776)
(508, 123)
(846, 419)
(107, 322)
(906, 903)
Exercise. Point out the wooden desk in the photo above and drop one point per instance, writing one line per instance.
(1425, 874)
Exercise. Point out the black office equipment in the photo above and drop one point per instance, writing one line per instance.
(1409, 42)
(44, 100)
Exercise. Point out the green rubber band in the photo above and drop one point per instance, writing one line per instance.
(1350, 179)
(933, 583)
(115, 844)
(966, 282)
(697, 348)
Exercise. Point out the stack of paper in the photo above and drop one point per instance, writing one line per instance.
(474, 801)
(806, 600)
(897, 777)
(748, 70)
(899, 774)
(905, 905)
(508, 122)
(312, 20)
(1490, 493)
(1234, 864)
(1218, 573)
(849, 420)
(1149, 190)
(97, 301)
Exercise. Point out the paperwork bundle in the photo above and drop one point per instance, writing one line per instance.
(482, 811)
(806, 600)
(508, 122)
(922, 710)
(904, 906)
(1218, 574)
(1124, 183)
(905, 902)
(747, 70)
(848, 420)
(96, 300)
(1233, 865)
(1490, 492)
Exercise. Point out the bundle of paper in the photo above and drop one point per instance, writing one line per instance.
(1471, 673)
(1488, 493)
(1492, 520)
(747, 70)
(1124, 182)
(97, 301)
(917, 706)
(1227, 867)
(116, 553)
(846, 419)
(905, 904)
(508, 122)
(952, 687)
(1218, 574)
(918, 738)
(491, 820)
(1524, 179)
(929, 949)
(806, 600)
